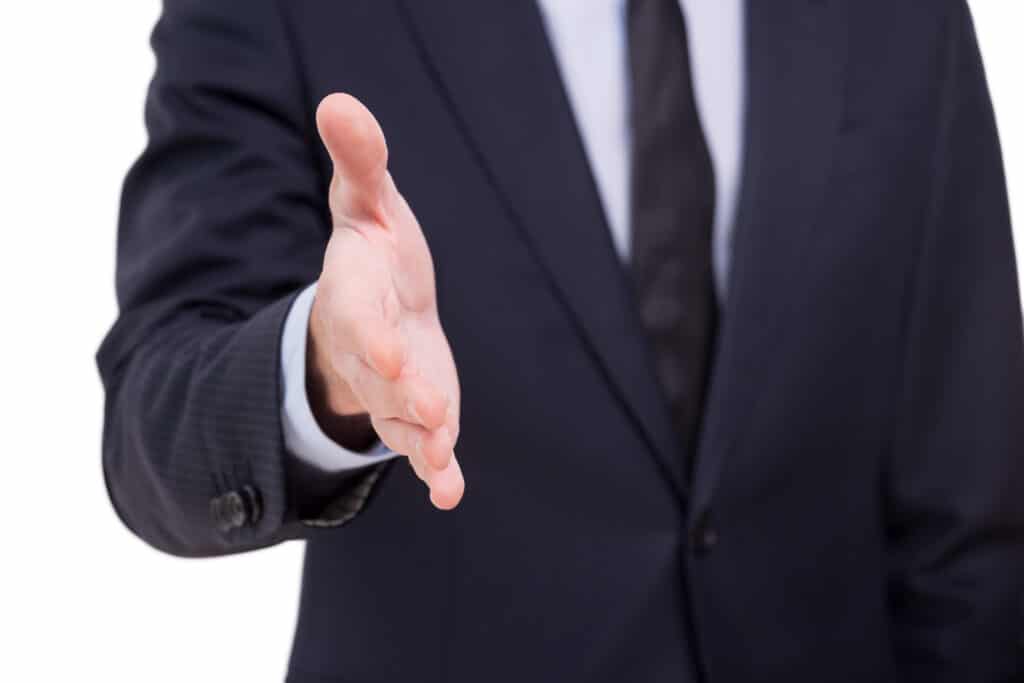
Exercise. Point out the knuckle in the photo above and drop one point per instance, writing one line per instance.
(434, 409)
(437, 455)
(384, 355)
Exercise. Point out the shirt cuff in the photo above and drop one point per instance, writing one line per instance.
(302, 434)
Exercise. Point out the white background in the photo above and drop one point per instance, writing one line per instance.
(80, 599)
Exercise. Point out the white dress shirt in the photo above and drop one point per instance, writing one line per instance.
(589, 41)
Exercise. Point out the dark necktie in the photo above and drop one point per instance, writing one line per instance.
(673, 200)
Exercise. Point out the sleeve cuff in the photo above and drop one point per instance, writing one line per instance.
(302, 435)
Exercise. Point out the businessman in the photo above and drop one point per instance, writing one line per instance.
(582, 340)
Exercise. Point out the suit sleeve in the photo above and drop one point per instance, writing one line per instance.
(223, 221)
(955, 482)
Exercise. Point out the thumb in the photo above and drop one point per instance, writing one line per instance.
(356, 144)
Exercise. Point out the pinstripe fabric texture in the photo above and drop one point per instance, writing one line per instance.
(208, 425)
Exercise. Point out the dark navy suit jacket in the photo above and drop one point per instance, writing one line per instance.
(855, 509)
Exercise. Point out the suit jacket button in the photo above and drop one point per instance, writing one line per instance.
(228, 511)
(253, 504)
(704, 537)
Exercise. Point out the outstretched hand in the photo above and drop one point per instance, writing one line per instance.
(376, 343)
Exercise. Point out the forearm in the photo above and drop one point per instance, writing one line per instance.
(193, 417)
(198, 422)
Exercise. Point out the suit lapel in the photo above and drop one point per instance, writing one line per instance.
(795, 67)
(494, 64)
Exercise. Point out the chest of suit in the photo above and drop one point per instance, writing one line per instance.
(485, 149)
(555, 373)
